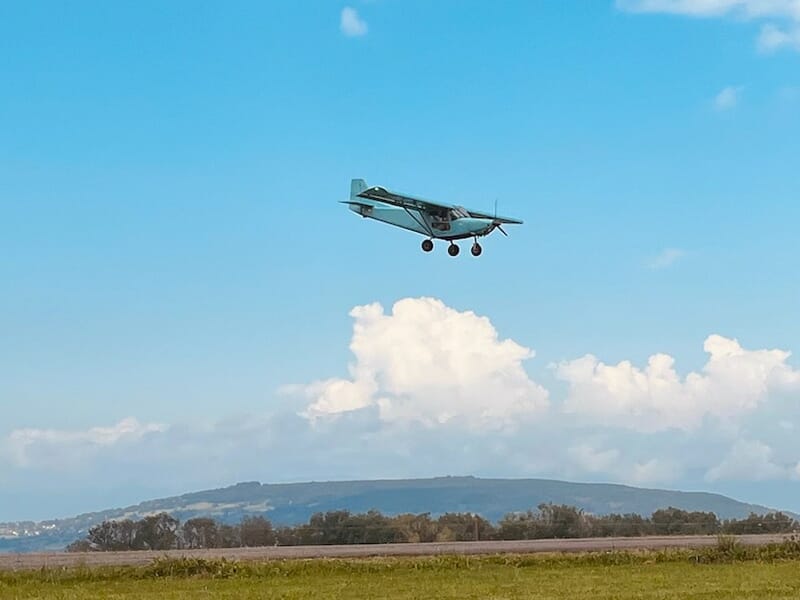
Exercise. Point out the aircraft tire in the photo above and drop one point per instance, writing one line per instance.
(427, 245)
(453, 250)
(476, 249)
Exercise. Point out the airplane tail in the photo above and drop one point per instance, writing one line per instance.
(356, 187)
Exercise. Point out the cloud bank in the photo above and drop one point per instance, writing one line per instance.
(434, 390)
(733, 382)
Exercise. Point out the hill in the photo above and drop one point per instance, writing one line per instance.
(292, 503)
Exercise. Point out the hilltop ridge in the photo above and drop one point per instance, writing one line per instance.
(292, 503)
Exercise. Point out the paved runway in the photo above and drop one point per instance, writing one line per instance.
(67, 559)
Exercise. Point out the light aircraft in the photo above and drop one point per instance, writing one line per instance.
(431, 219)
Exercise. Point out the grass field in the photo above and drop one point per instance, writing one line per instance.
(618, 575)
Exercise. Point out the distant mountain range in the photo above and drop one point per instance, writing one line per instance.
(293, 503)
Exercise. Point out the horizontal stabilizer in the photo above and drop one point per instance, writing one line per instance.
(357, 203)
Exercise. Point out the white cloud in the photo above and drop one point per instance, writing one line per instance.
(749, 9)
(728, 98)
(666, 258)
(772, 37)
(429, 363)
(655, 470)
(590, 460)
(619, 466)
(750, 461)
(51, 447)
(733, 382)
(433, 390)
(351, 24)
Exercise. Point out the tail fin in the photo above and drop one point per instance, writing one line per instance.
(356, 187)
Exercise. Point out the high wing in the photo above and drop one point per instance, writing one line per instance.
(380, 194)
(504, 220)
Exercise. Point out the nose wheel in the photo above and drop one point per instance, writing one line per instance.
(453, 250)
(427, 246)
(476, 249)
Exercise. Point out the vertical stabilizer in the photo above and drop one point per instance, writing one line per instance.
(356, 187)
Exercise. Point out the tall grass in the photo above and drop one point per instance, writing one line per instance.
(727, 550)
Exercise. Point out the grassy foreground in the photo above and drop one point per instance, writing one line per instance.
(712, 574)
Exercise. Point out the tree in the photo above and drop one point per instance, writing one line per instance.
(415, 528)
(112, 535)
(775, 522)
(520, 526)
(256, 531)
(200, 532)
(369, 528)
(674, 521)
(562, 521)
(614, 525)
(156, 532)
(229, 536)
(464, 527)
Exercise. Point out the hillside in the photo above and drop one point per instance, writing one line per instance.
(295, 502)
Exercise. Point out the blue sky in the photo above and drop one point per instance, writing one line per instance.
(172, 254)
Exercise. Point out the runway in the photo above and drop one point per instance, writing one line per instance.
(131, 558)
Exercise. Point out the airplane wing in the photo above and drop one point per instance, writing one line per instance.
(504, 220)
(380, 194)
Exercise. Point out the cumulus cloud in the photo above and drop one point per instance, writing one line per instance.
(351, 23)
(666, 258)
(429, 363)
(433, 390)
(728, 98)
(772, 36)
(751, 460)
(733, 382)
(53, 447)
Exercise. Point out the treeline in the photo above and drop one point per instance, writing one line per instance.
(164, 532)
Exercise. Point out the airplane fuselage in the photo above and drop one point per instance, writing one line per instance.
(445, 228)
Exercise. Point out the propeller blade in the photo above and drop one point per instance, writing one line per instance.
(503, 231)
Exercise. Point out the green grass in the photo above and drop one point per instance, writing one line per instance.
(728, 571)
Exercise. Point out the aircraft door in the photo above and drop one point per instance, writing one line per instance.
(440, 220)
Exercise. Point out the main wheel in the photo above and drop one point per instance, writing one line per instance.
(453, 250)
(476, 249)
(427, 245)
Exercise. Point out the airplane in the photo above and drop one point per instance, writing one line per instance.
(434, 220)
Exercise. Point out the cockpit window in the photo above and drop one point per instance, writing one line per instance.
(458, 212)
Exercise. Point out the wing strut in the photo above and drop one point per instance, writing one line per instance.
(420, 221)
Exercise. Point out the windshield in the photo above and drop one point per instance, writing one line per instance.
(459, 212)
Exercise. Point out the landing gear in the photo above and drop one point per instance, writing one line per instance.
(427, 245)
(476, 249)
(453, 250)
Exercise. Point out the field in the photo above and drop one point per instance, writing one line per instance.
(708, 575)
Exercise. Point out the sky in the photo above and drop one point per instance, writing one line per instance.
(184, 304)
